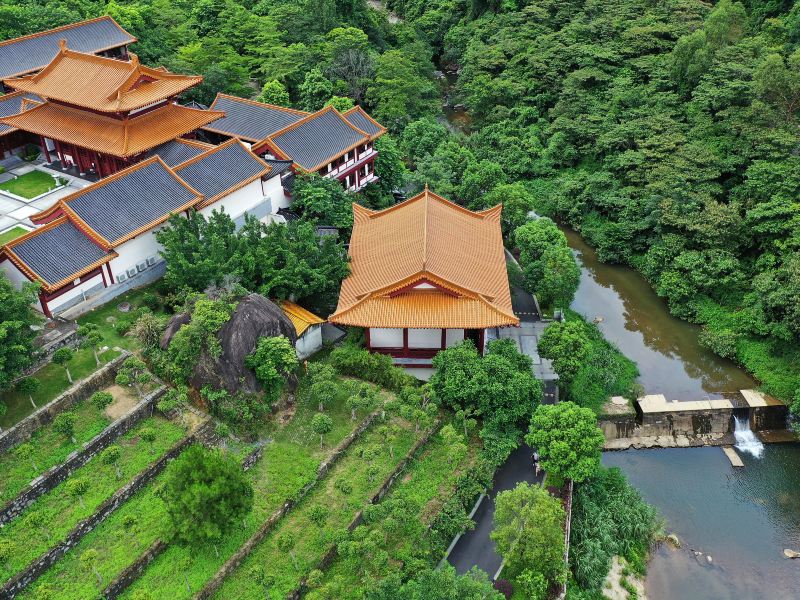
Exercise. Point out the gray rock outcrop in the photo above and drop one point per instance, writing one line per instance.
(253, 318)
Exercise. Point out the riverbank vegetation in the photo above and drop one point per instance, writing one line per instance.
(589, 367)
(609, 518)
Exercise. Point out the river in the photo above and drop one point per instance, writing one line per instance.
(671, 361)
(742, 518)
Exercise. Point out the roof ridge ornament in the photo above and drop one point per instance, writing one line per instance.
(62, 45)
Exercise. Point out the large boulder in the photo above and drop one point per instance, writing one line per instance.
(253, 318)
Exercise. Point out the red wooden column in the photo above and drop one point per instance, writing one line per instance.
(45, 308)
(44, 148)
(405, 341)
(444, 338)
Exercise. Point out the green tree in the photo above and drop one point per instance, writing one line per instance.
(321, 424)
(134, 373)
(29, 386)
(77, 487)
(322, 200)
(315, 90)
(206, 493)
(91, 337)
(111, 456)
(62, 357)
(89, 560)
(26, 451)
(364, 397)
(399, 92)
(340, 103)
(272, 360)
(148, 434)
(16, 335)
(438, 584)
(566, 344)
(567, 439)
(549, 268)
(101, 400)
(64, 423)
(529, 532)
(274, 92)
(323, 392)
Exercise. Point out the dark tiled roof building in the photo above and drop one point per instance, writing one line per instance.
(179, 151)
(222, 170)
(76, 254)
(32, 52)
(250, 120)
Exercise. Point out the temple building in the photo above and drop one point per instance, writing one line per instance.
(425, 275)
(31, 53)
(100, 241)
(99, 114)
(327, 142)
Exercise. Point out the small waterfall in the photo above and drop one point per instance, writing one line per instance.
(746, 440)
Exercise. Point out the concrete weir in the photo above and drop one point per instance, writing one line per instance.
(655, 422)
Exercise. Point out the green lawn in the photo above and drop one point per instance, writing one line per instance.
(117, 546)
(57, 512)
(110, 320)
(53, 379)
(289, 462)
(49, 449)
(346, 490)
(30, 185)
(52, 382)
(12, 234)
(426, 484)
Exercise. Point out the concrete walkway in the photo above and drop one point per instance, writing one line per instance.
(475, 548)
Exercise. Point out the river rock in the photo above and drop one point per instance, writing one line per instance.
(791, 553)
(673, 540)
(709, 559)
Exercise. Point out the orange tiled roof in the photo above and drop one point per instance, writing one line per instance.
(102, 84)
(108, 135)
(301, 318)
(456, 253)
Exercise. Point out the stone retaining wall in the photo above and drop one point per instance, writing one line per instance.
(44, 562)
(81, 390)
(328, 558)
(245, 549)
(55, 475)
(686, 422)
(134, 570)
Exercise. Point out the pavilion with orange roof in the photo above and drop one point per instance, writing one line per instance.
(425, 275)
(102, 114)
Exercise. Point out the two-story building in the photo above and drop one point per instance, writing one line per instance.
(327, 142)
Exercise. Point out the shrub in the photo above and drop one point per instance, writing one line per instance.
(151, 301)
(101, 399)
(720, 341)
(377, 368)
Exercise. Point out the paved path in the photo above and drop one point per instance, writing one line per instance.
(475, 548)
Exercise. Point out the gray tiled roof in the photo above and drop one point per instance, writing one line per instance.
(120, 206)
(323, 137)
(31, 53)
(12, 106)
(248, 120)
(279, 167)
(220, 170)
(59, 253)
(358, 119)
(175, 152)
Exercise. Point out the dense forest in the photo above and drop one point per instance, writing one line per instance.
(666, 132)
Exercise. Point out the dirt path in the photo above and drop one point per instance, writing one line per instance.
(124, 401)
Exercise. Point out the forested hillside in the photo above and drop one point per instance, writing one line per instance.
(667, 132)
